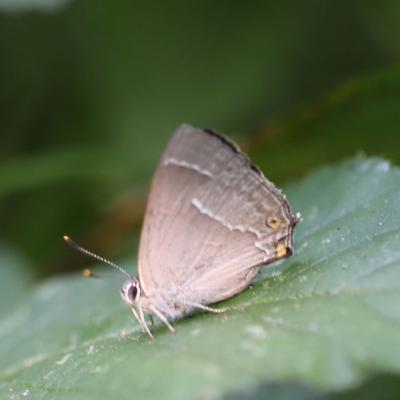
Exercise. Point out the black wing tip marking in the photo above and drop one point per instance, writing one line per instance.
(235, 148)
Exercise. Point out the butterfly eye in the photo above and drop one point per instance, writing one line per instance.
(132, 292)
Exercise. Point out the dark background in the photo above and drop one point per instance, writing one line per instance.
(90, 92)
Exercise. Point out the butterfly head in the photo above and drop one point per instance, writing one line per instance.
(130, 291)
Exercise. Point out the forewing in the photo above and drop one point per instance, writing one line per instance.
(212, 219)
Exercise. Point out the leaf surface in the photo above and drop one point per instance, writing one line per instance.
(328, 317)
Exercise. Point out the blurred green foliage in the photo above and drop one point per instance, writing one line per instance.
(91, 92)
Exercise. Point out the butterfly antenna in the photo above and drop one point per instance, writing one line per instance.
(76, 247)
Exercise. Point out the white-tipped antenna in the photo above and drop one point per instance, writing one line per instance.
(76, 247)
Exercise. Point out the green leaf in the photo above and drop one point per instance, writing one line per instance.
(327, 319)
(14, 282)
(370, 390)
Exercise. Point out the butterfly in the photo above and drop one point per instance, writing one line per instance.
(212, 220)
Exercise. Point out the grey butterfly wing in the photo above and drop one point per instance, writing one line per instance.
(212, 219)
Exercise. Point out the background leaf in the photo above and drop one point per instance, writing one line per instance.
(18, 6)
(327, 319)
(360, 115)
(15, 281)
(90, 94)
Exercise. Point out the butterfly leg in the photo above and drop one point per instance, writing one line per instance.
(162, 318)
(140, 317)
(205, 308)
